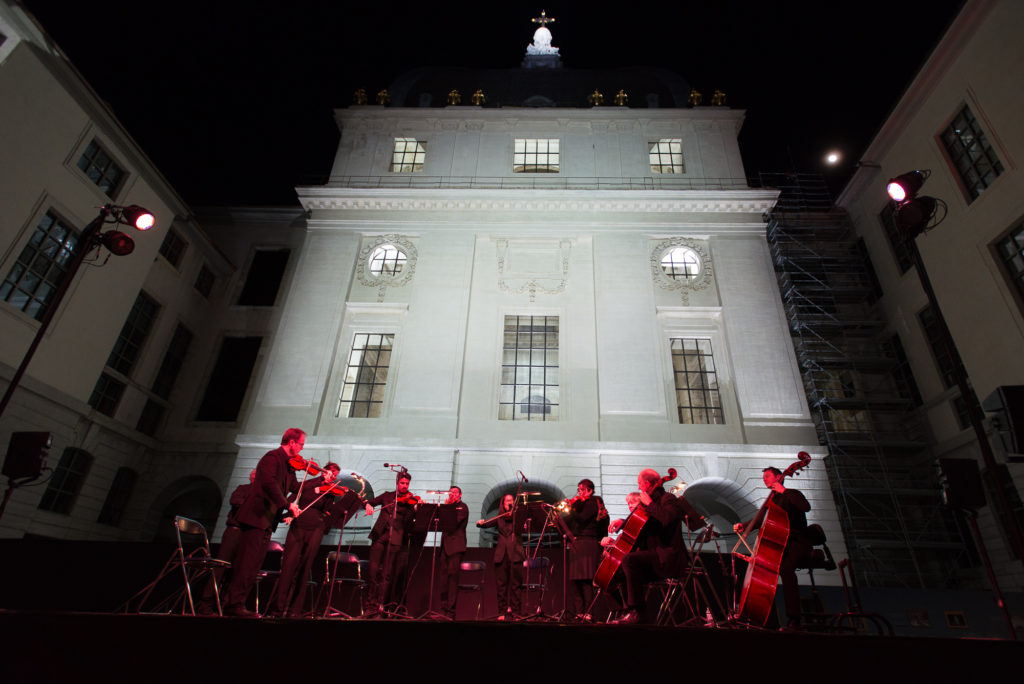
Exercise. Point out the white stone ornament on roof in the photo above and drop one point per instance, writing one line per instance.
(542, 37)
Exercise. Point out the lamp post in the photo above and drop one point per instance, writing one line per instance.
(913, 214)
(117, 242)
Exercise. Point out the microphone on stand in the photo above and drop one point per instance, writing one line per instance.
(525, 479)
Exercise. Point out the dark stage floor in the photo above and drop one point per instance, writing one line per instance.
(49, 646)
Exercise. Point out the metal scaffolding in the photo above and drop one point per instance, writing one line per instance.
(862, 397)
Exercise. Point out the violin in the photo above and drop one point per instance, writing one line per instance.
(299, 463)
(408, 498)
(334, 489)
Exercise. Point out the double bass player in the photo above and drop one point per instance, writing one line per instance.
(798, 546)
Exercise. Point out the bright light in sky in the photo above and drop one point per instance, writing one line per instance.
(833, 157)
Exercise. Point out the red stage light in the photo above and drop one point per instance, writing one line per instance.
(904, 187)
(138, 217)
(117, 242)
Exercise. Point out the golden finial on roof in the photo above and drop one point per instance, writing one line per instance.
(359, 97)
(695, 98)
(454, 97)
(718, 98)
(478, 98)
(621, 98)
(543, 19)
(596, 99)
(383, 98)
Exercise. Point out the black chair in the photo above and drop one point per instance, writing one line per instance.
(471, 578)
(535, 573)
(274, 549)
(194, 564)
(343, 571)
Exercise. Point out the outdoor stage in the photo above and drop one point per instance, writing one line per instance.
(59, 622)
(77, 647)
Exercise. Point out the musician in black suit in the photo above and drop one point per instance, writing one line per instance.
(388, 537)
(259, 513)
(453, 548)
(227, 550)
(305, 533)
(588, 522)
(508, 559)
(798, 546)
(660, 551)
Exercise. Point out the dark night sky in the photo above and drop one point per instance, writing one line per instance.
(234, 100)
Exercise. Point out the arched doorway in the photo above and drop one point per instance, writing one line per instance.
(193, 496)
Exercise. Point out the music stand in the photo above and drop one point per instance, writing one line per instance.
(430, 518)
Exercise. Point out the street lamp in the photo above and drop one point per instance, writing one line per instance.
(913, 215)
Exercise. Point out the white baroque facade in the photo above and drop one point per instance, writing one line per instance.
(581, 245)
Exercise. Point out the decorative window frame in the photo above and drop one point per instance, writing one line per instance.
(382, 280)
(683, 285)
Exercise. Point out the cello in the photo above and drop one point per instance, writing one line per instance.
(762, 576)
(614, 554)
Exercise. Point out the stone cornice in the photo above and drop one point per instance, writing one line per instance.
(590, 201)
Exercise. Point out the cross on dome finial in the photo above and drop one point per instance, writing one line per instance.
(543, 19)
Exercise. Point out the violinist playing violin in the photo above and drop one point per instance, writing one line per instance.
(258, 515)
(588, 522)
(388, 552)
(305, 533)
(798, 545)
(508, 559)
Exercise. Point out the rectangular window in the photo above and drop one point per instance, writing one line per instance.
(366, 376)
(174, 358)
(264, 277)
(40, 267)
(698, 401)
(107, 394)
(101, 169)
(1011, 255)
(204, 281)
(117, 498)
(408, 155)
(230, 379)
(133, 334)
(66, 481)
(535, 155)
(970, 153)
(149, 419)
(963, 416)
(902, 376)
(900, 250)
(667, 156)
(529, 369)
(945, 358)
(173, 248)
(869, 268)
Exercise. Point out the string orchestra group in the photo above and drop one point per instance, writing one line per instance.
(658, 541)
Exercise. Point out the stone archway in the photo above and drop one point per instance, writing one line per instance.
(193, 496)
(722, 502)
(541, 491)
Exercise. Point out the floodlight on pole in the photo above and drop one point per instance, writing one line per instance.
(117, 242)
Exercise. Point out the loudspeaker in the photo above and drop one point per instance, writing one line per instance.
(961, 483)
(25, 454)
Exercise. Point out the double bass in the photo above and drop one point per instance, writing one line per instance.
(762, 576)
(614, 554)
